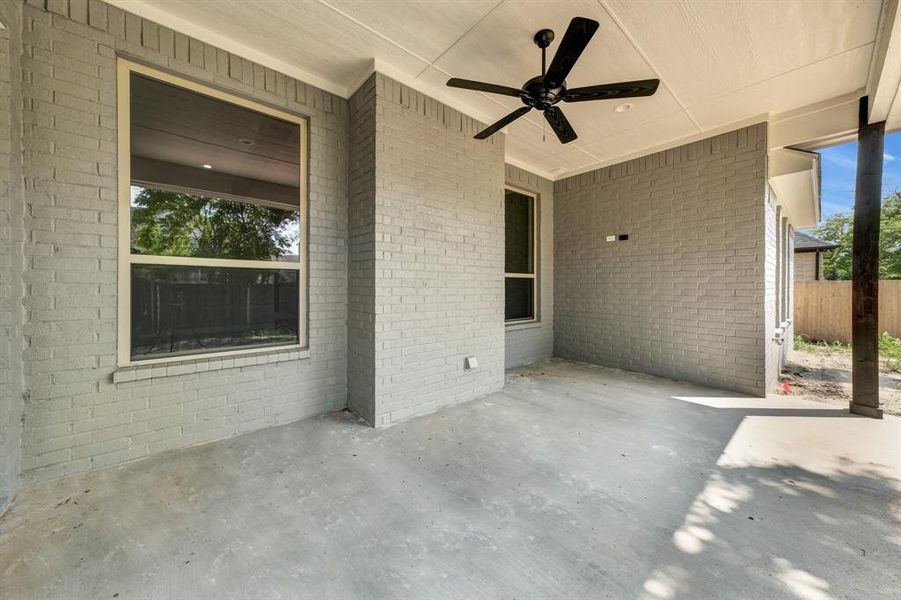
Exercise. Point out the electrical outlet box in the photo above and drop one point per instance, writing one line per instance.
(611, 238)
(471, 363)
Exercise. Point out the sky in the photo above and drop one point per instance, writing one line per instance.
(839, 166)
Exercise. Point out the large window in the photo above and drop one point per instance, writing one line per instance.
(520, 281)
(212, 221)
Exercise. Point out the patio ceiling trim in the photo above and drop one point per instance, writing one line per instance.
(811, 127)
(818, 125)
(884, 82)
(226, 43)
(795, 177)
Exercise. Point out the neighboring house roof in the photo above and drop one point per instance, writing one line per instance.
(808, 243)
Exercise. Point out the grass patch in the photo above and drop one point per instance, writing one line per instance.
(890, 352)
(803, 343)
(889, 349)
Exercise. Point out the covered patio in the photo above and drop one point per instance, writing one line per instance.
(328, 299)
(575, 481)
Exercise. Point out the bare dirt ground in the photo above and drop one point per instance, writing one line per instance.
(824, 375)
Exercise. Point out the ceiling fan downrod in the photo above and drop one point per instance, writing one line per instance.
(543, 39)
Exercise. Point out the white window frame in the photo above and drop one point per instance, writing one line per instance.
(124, 69)
(536, 260)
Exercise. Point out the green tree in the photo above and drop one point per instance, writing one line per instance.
(839, 228)
(180, 224)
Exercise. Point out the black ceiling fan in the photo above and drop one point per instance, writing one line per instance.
(549, 88)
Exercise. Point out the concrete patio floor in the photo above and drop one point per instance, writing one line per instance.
(573, 482)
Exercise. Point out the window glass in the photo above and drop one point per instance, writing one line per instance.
(215, 181)
(167, 223)
(519, 235)
(519, 263)
(185, 309)
(519, 298)
(210, 178)
(187, 141)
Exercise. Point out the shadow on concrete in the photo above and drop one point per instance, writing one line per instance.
(845, 533)
(764, 526)
(573, 482)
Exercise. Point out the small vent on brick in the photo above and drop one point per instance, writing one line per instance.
(623, 237)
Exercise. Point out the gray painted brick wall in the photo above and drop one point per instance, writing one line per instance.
(406, 258)
(532, 342)
(361, 254)
(771, 261)
(76, 418)
(8, 466)
(780, 269)
(684, 296)
(11, 207)
(8, 471)
(438, 244)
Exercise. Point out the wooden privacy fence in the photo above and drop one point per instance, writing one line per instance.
(823, 309)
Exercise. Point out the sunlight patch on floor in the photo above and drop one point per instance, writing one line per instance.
(800, 583)
(828, 446)
(760, 458)
(750, 403)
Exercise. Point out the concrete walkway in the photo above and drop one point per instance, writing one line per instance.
(574, 482)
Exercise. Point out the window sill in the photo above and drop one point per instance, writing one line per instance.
(527, 325)
(188, 366)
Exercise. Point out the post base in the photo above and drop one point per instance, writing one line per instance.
(866, 411)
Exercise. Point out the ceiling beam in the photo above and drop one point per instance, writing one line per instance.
(884, 78)
(816, 126)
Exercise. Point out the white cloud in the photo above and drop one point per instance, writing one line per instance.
(888, 157)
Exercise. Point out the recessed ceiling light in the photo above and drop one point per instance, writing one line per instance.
(624, 107)
(207, 166)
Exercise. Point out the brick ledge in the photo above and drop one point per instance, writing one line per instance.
(189, 366)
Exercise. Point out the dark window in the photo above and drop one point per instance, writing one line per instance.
(518, 299)
(519, 262)
(186, 309)
(215, 213)
(519, 233)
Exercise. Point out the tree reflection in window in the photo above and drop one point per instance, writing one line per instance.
(168, 223)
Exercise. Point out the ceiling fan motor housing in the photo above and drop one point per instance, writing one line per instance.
(540, 96)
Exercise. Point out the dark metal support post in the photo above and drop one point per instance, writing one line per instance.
(865, 267)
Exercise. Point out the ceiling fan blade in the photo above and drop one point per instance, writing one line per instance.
(502, 123)
(560, 125)
(479, 86)
(626, 89)
(577, 36)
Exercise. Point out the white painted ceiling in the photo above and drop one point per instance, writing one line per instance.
(721, 62)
